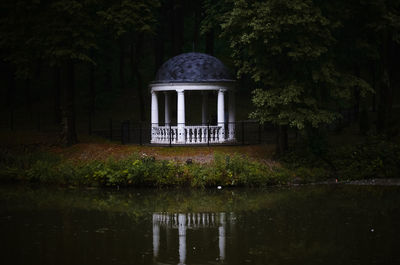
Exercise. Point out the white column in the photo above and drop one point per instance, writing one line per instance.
(181, 115)
(204, 108)
(154, 116)
(167, 109)
(221, 236)
(221, 113)
(156, 235)
(182, 238)
(154, 109)
(231, 119)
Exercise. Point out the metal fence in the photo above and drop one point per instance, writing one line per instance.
(128, 132)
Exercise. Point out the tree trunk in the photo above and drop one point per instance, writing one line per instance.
(356, 107)
(159, 40)
(137, 76)
(177, 26)
(373, 74)
(281, 139)
(210, 42)
(139, 85)
(28, 98)
(158, 52)
(196, 28)
(384, 87)
(57, 95)
(381, 120)
(121, 64)
(11, 96)
(171, 22)
(69, 136)
(108, 80)
(392, 62)
(92, 96)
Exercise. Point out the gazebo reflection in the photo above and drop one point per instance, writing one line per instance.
(187, 221)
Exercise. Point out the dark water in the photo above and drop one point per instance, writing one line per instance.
(302, 225)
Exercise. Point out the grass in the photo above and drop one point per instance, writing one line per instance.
(104, 163)
(141, 170)
(97, 148)
(37, 158)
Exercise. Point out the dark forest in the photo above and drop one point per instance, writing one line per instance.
(300, 65)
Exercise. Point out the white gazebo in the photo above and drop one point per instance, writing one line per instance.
(193, 72)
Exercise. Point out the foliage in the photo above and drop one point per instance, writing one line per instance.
(373, 158)
(215, 14)
(286, 48)
(129, 17)
(376, 158)
(52, 32)
(235, 170)
(59, 31)
(71, 31)
(17, 45)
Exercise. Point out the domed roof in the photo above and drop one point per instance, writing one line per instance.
(193, 67)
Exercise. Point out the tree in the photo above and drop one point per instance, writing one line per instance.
(215, 13)
(368, 46)
(286, 49)
(66, 31)
(129, 21)
(19, 54)
(384, 23)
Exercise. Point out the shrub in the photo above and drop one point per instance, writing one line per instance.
(42, 171)
(376, 158)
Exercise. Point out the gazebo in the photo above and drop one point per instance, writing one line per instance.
(193, 72)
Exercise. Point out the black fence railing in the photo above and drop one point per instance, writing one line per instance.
(129, 132)
(237, 133)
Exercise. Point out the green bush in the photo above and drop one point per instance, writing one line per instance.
(235, 170)
(238, 170)
(376, 158)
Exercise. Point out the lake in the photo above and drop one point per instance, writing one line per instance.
(316, 224)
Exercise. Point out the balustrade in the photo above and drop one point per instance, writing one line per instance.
(193, 134)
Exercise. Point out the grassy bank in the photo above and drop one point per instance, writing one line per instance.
(142, 170)
(105, 164)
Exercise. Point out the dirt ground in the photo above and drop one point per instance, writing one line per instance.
(96, 148)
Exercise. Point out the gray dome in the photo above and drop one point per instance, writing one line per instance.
(193, 67)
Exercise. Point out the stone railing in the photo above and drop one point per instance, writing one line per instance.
(191, 135)
(164, 134)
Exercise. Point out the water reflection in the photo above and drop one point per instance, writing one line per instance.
(308, 225)
(181, 222)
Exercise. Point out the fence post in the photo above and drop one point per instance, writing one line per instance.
(110, 129)
(208, 134)
(242, 132)
(170, 136)
(140, 133)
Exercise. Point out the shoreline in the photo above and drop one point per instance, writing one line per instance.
(107, 164)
